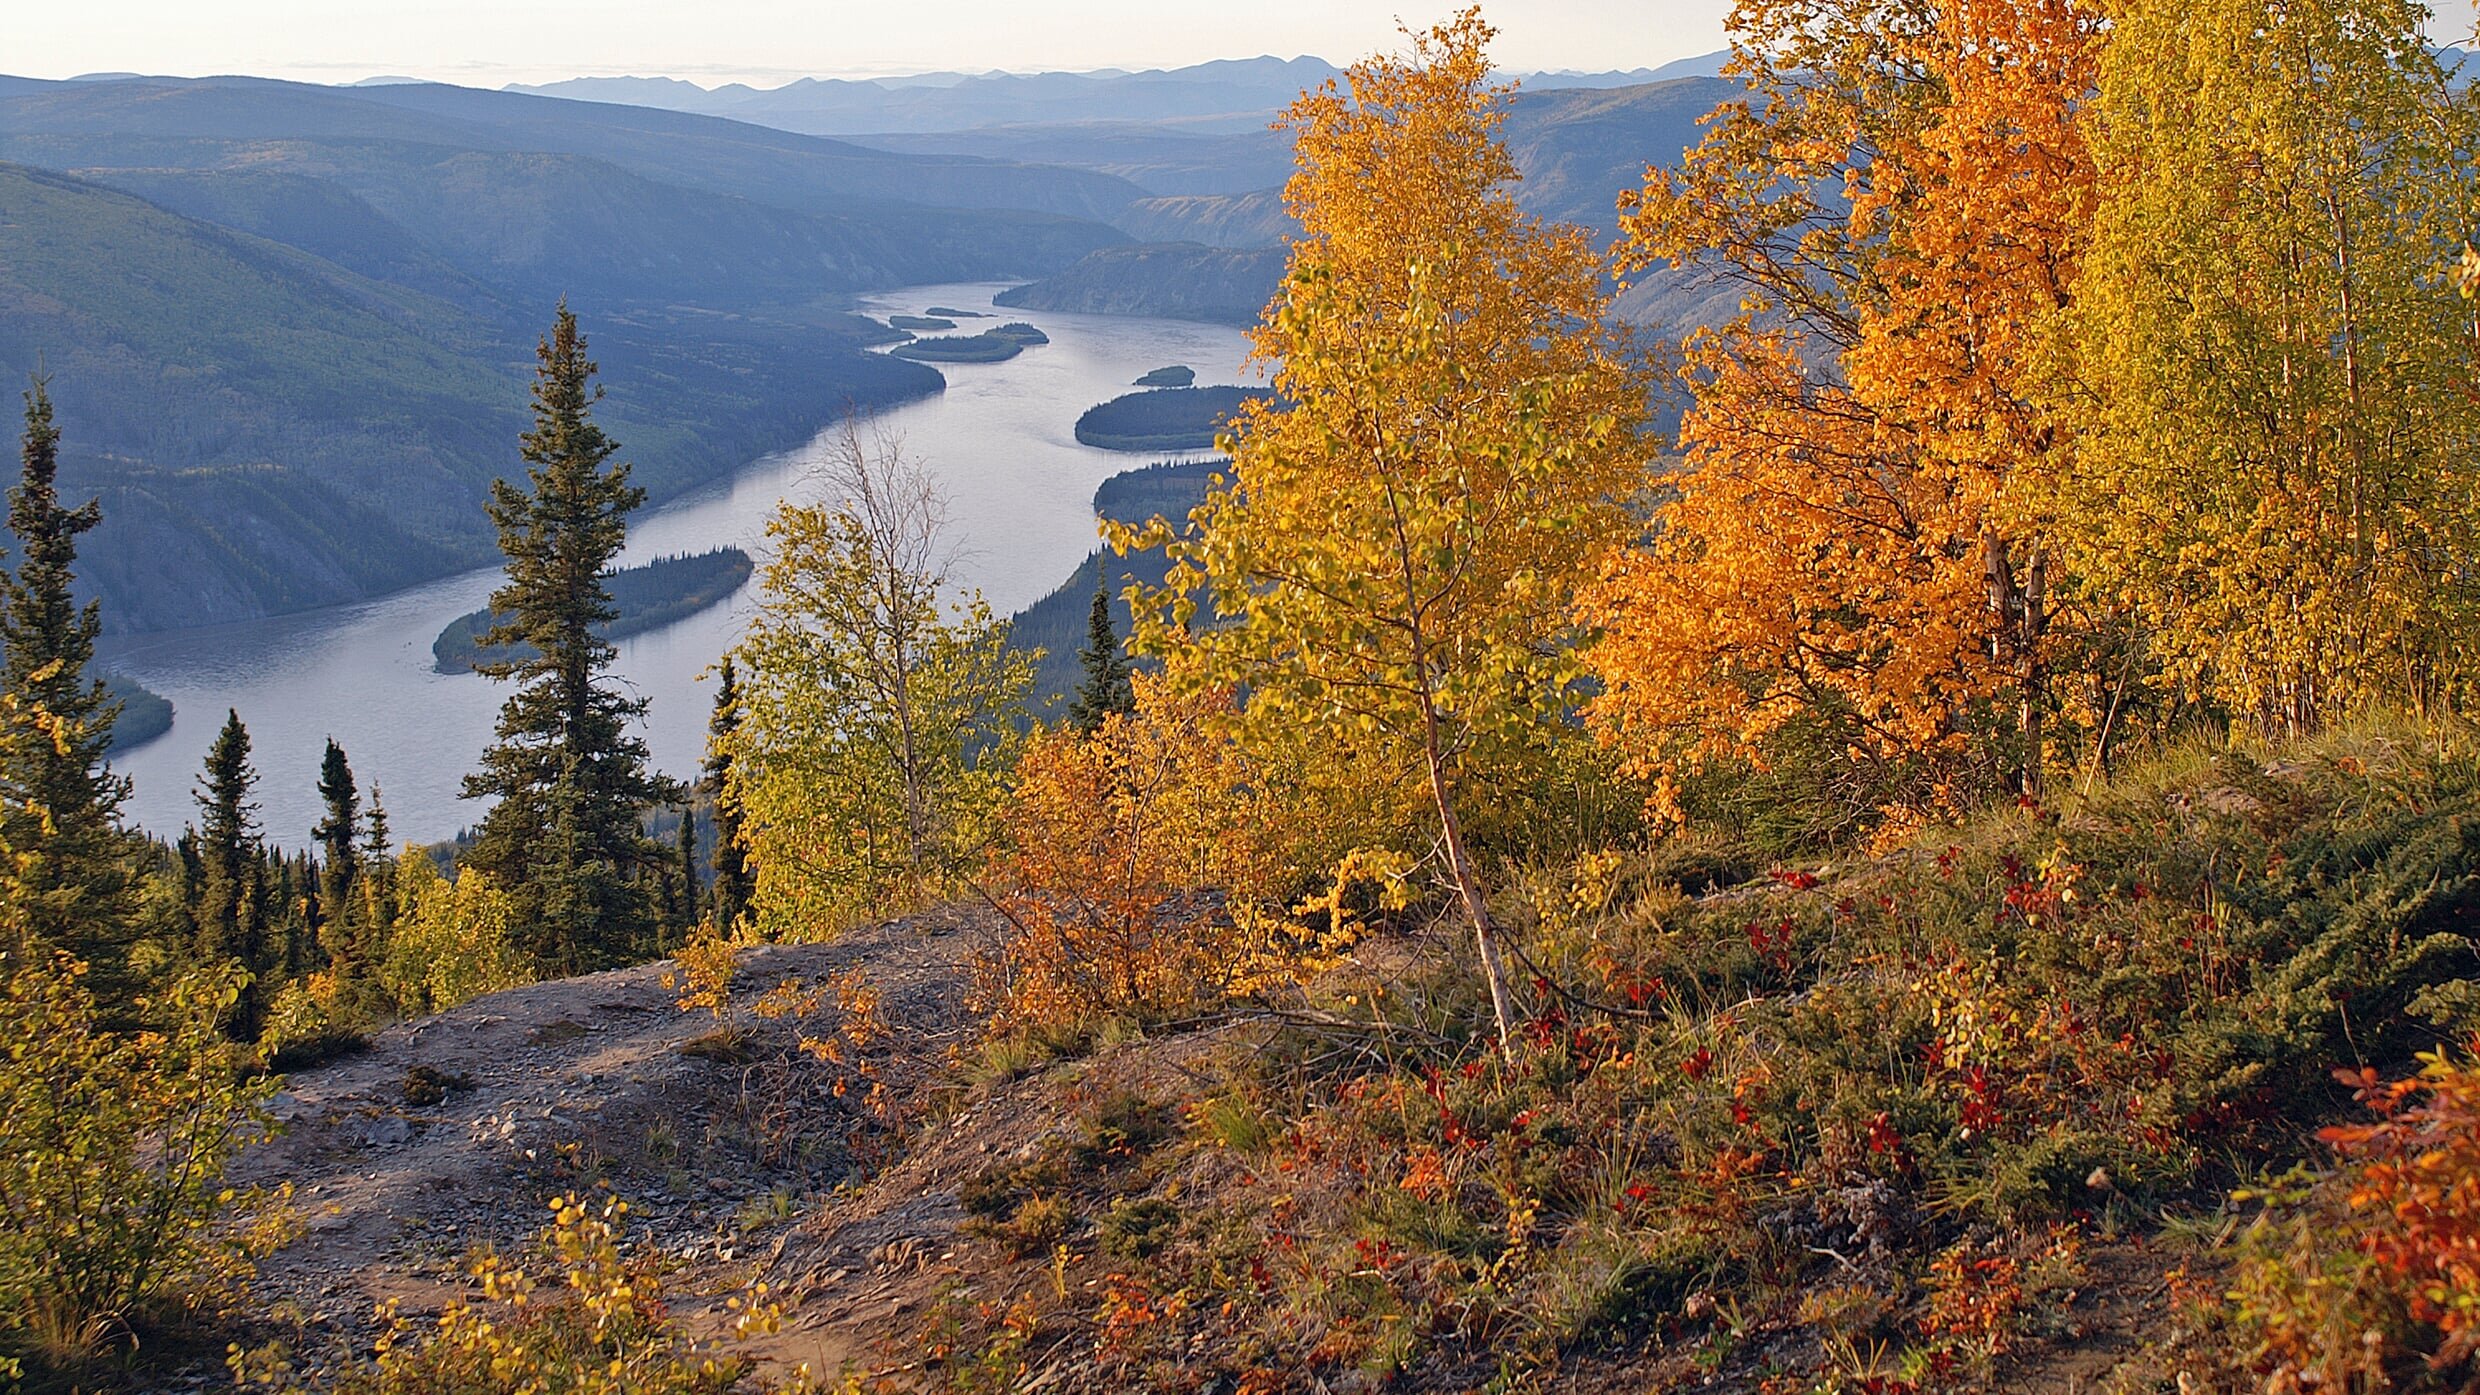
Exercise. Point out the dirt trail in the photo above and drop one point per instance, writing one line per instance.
(582, 1082)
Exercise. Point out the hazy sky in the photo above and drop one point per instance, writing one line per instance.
(485, 43)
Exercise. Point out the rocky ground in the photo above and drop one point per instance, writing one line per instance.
(740, 1159)
(747, 1160)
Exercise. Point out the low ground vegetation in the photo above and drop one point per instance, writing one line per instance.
(1897, 1123)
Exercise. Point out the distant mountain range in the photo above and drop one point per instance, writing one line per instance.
(1216, 255)
(289, 327)
(1198, 143)
(1223, 97)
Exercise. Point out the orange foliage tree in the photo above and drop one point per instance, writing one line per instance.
(1902, 197)
(1110, 842)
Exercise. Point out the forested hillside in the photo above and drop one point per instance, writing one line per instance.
(203, 123)
(1179, 280)
(291, 363)
(1574, 149)
(1951, 867)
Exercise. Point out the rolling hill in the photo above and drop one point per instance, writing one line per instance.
(1223, 96)
(1228, 94)
(1575, 147)
(1217, 256)
(1180, 281)
(289, 328)
(204, 123)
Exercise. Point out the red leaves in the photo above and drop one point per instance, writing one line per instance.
(2416, 1180)
(1773, 942)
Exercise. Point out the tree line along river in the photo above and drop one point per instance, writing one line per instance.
(1000, 441)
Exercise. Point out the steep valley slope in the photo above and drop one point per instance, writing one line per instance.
(288, 328)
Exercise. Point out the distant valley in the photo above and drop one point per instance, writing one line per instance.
(288, 326)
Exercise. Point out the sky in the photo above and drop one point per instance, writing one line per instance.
(489, 43)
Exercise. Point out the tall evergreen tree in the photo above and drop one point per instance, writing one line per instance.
(232, 923)
(562, 754)
(728, 894)
(59, 802)
(687, 864)
(378, 900)
(339, 835)
(1106, 688)
(293, 909)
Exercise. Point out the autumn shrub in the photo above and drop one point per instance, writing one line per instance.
(113, 1207)
(588, 1318)
(2368, 1279)
(1136, 872)
(452, 940)
(312, 1019)
(1924, 1078)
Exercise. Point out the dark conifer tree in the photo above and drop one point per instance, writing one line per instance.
(574, 871)
(293, 908)
(193, 860)
(59, 802)
(378, 899)
(728, 896)
(339, 834)
(1106, 688)
(231, 898)
(686, 865)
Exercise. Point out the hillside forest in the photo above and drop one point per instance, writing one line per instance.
(1922, 837)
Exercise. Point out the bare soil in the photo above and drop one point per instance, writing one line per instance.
(724, 1146)
(743, 1163)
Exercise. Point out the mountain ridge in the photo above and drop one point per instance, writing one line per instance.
(1231, 94)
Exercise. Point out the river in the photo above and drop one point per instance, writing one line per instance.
(1000, 441)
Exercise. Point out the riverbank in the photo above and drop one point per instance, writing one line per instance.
(1000, 441)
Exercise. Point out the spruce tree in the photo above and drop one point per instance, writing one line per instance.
(378, 901)
(59, 802)
(231, 896)
(728, 894)
(568, 779)
(293, 908)
(687, 865)
(1106, 688)
(338, 834)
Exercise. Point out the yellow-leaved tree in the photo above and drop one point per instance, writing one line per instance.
(113, 1145)
(2279, 407)
(1389, 567)
(877, 718)
(1856, 537)
(451, 941)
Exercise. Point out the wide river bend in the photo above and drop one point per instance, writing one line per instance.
(1000, 441)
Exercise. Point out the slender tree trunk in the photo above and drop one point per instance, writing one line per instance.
(1467, 880)
(2032, 678)
(2015, 625)
(900, 643)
